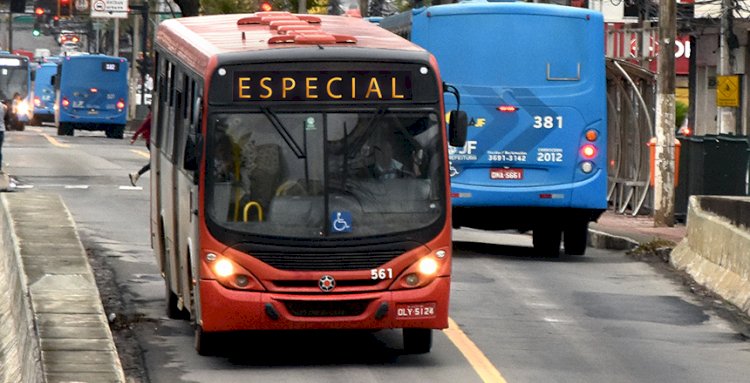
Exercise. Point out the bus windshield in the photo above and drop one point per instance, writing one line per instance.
(14, 78)
(342, 174)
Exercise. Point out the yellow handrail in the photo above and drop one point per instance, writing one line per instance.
(247, 208)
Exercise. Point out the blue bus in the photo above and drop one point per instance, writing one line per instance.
(531, 78)
(15, 89)
(44, 93)
(91, 94)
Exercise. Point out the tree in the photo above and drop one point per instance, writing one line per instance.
(189, 7)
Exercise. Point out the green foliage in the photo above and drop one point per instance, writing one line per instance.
(217, 7)
(681, 112)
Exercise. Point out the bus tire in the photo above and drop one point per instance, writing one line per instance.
(115, 131)
(547, 241)
(206, 343)
(64, 129)
(417, 340)
(575, 238)
(171, 299)
(173, 309)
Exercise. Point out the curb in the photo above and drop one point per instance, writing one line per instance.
(602, 240)
(74, 340)
(20, 358)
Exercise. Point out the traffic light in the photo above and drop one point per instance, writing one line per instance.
(64, 7)
(264, 6)
(39, 14)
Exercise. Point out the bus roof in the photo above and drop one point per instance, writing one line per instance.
(514, 7)
(197, 39)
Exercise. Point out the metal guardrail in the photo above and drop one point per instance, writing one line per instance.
(631, 100)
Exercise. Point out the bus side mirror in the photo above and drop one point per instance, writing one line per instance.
(33, 76)
(52, 80)
(457, 126)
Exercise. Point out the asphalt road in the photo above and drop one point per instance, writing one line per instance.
(605, 317)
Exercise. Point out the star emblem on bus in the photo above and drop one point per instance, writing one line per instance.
(327, 283)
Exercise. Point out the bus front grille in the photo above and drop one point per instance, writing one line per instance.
(326, 308)
(327, 262)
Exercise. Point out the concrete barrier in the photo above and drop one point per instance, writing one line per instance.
(20, 358)
(62, 333)
(716, 253)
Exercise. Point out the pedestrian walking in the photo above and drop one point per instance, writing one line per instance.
(3, 121)
(143, 131)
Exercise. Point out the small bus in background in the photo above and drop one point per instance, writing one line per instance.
(532, 81)
(91, 93)
(300, 177)
(44, 93)
(15, 88)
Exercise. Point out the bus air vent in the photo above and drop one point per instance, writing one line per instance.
(347, 308)
(313, 261)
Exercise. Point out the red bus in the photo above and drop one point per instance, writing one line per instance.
(300, 177)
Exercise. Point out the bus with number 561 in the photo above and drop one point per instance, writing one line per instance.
(299, 177)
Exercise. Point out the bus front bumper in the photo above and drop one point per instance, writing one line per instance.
(223, 309)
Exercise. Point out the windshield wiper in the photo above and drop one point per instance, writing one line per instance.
(274, 119)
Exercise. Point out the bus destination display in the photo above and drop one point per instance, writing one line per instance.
(322, 86)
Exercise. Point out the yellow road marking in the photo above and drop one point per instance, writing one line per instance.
(141, 153)
(483, 367)
(54, 141)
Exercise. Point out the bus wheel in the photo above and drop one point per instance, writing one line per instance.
(417, 340)
(115, 131)
(575, 238)
(65, 130)
(206, 343)
(173, 310)
(172, 300)
(547, 241)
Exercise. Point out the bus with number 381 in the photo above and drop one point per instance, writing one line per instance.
(533, 84)
(300, 177)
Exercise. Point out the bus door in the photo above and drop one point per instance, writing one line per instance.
(165, 174)
(185, 224)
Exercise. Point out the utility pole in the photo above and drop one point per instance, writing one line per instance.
(726, 116)
(665, 117)
(10, 31)
(116, 42)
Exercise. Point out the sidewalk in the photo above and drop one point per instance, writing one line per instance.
(623, 231)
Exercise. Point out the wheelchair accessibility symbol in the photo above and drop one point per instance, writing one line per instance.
(341, 222)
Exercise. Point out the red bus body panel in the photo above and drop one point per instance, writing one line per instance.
(197, 42)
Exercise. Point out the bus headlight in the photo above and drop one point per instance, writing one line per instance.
(22, 108)
(428, 266)
(230, 274)
(223, 268)
(424, 271)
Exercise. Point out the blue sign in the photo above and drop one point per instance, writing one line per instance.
(341, 222)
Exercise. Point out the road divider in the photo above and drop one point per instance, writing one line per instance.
(715, 251)
(50, 312)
